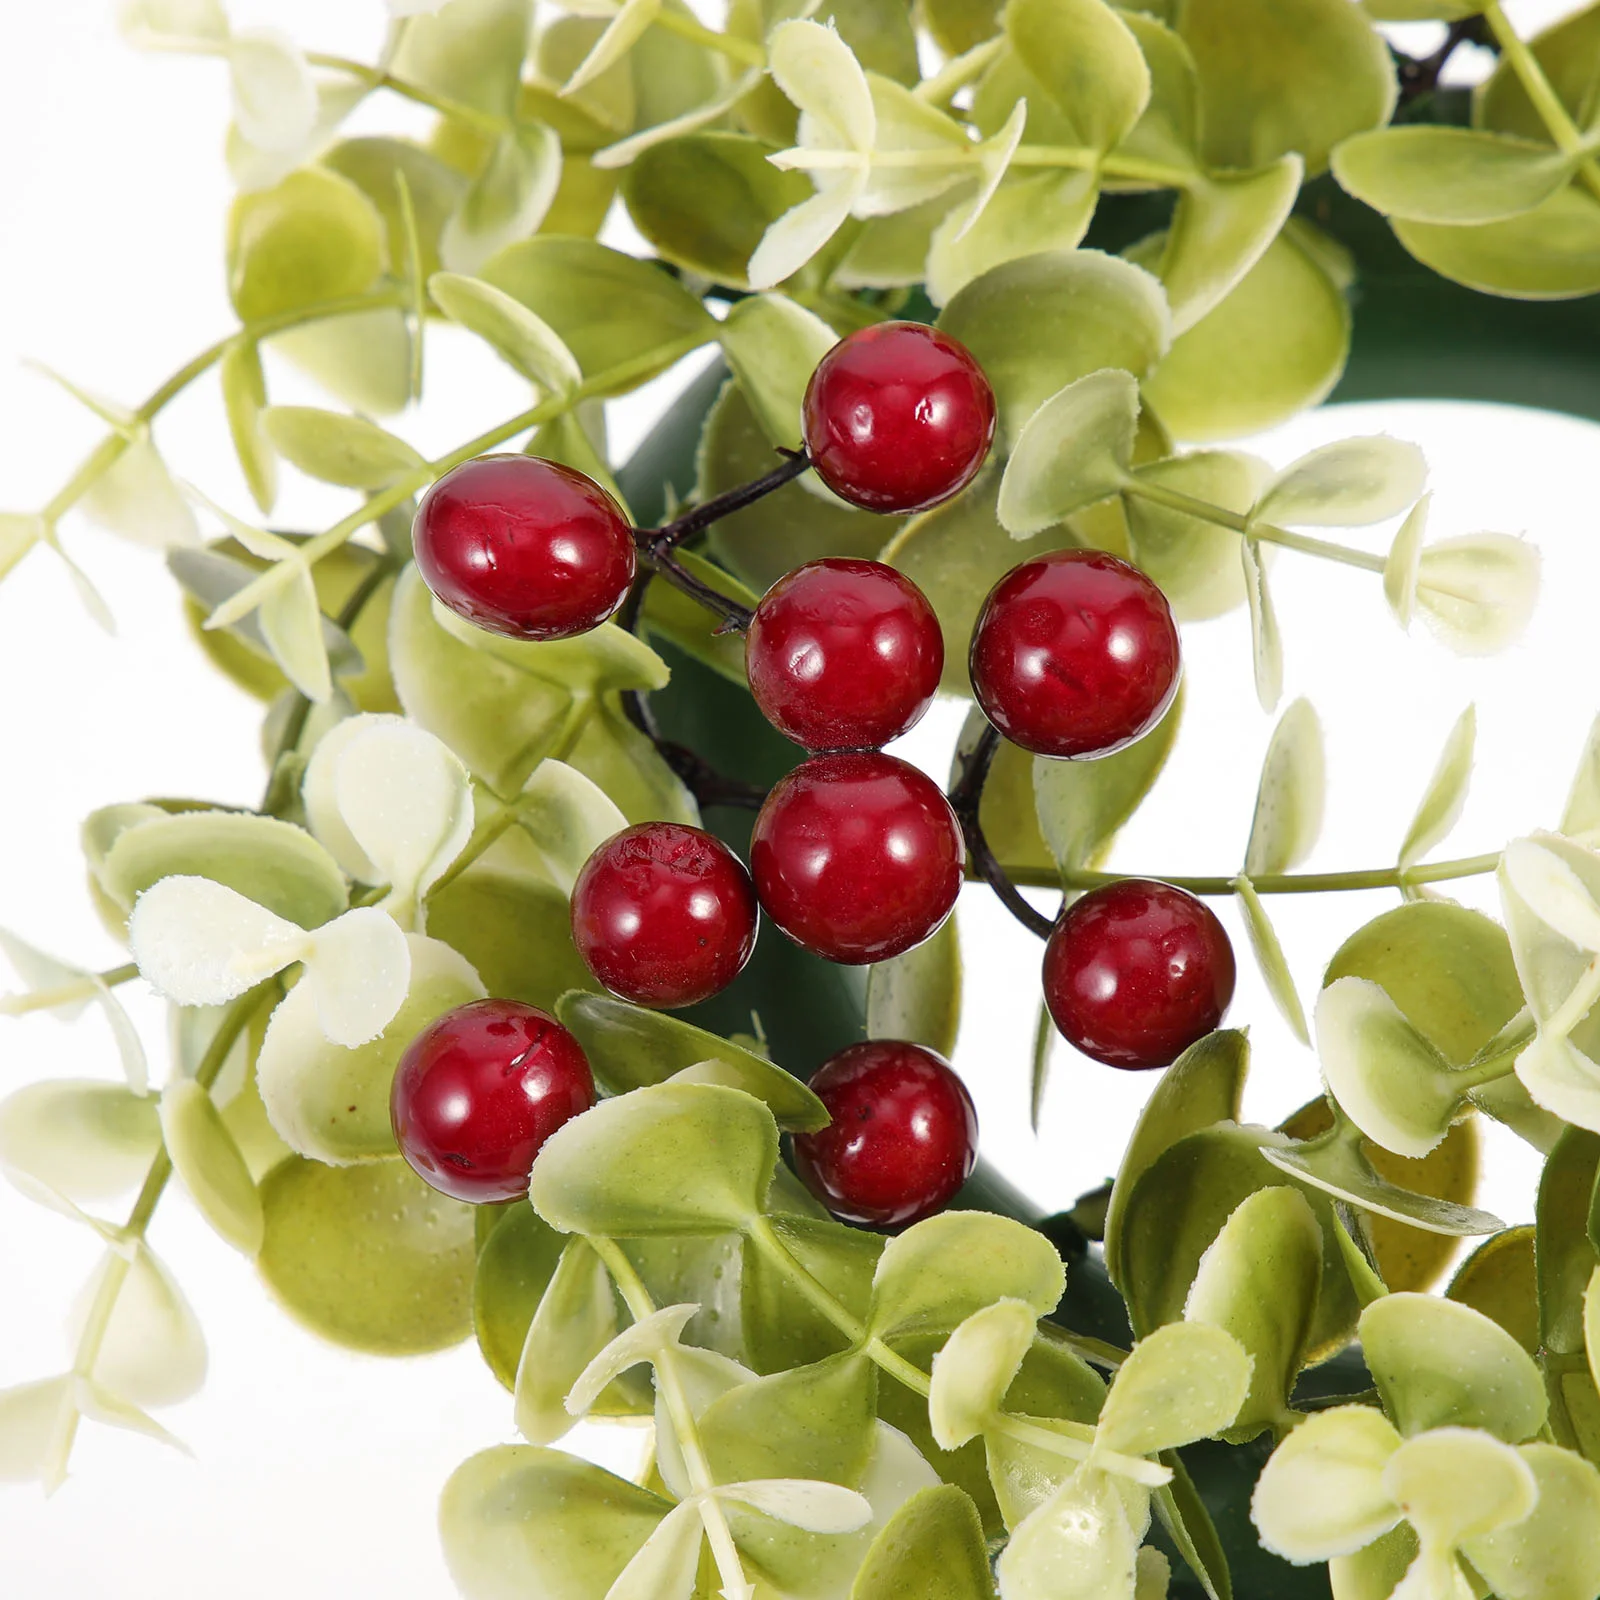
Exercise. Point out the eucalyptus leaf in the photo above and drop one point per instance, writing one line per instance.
(1446, 793)
(1347, 484)
(672, 1158)
(521, 339)
(83, 1139)
(1549, 253)
(1478, 592)
(368, 1257)
(1270, 958)
(152, 1352)
(1289, 796)
(211, 1165)
(348, 451)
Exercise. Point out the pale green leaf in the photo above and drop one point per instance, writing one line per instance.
(1074, 451)
(274, 98)
(507, 200)
(1478, 592)
(1403, 565)
(1458, 1484)
(1553, 892)
(153, 1352)
(1195, 562)
(206, 1158)
(673, 1158)
(931, 1548)
(362, 360)
(31, 1419)
(172, 24)
(1289, 796)
(1347, 484)
(1549, 253)
(974, 1368)
(576, 1319)
(138, 498)
(791, 241)
(19, 533)
(904, 126)
(469, 50)
(1268, 951)
(1554, 1552)
(1323, 1494)
(1088, 62)
(291, 625)
(81, 1138)
(349, 451)
(521, 339)
(622, 32)
(1266, 643)
(244, 393)
(643, 1341)
(1446, 794)
(1183, 1382)
(772, 345)
(1449, 175)
(667, 1564)
(1582, 813)
(1078, 1545)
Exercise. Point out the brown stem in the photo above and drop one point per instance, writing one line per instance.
(671, 534)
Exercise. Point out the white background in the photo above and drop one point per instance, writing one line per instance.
(317, 1473)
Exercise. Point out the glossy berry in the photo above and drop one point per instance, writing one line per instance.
(1135, 972)
(898, 417)
(903, 1138)
(525, 548)
(478, 1092)
(664, 915)
(857, 856)
(1075, 654)
(843, 655)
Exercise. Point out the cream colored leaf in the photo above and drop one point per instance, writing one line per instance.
(153, 1352)
(1562, 1079)
(274, 99)
(621, 34)
(1553, 892)
(291, 624)
(642, 1342)
(818, 71)
(1289, 796)
(1347, 484)
(800, 232)
(357, 968)
(805, 1503)
(138, 499)
(1446, 794)
(200, 943)
(1404, 563)
(1477, 593)
(173, 24)
(974, 1369)
(31, 1418)
(523, 340)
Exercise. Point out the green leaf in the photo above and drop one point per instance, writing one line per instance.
(704, 201)
(787, 527)
(1449, 175)
(378, 167)
(514, 930)
(1183, 1382)
(137, 498)
(1347, 484)
(937, 1273)
(955, 554)
(630, 1047)
(618, 757)
(1082, 804)
(500, 721)
(1549, 253)
(1554, 1552)
(1259, 1281)
(1221, 228)
(1499, 1280)
(1266, 644)
(773, 346)
(1274, 345)
(1073, 452)
(349, 451)
(958, 25)
(1563, 1253)
(80, 1138)
(368, 1257)
(1196, 563)
(1087, 311)
(781, 1328)
(917, 996)
(1566, 53)
(363, 360)
(311, 238)
(244, 395)
(1438, 1363)
(1088, 62)
(1582, 812)
(673, 1158)
(1268, 951)
(1457, 1484)
(1188, 1524)
(468, 50)
(1289, 796)
(575, 1320)
(975, 1367)
(506, 201)
(509, 328)
(1446, 793)
(518, 1521)
(330, 1103)
(1204, 1086)
(1080, 1544)
(273, 863)
(206, 1158)
(1281, 75)
(609, 309)
(31, 1415)
(931, 1548)
(515, 1265)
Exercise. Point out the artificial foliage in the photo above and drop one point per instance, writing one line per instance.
(1156, 229)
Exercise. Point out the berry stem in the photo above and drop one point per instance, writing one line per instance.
(676, 1399)
(735, 617)
(653, 541)
(1270, 883)
(118, 1264)
(708, 786)
(1191, 505)
(966, 799)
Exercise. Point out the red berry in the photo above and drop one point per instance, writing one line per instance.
(1075, 654)
(898, 417)
(857, 856)
(843, 655)
(1135, 972)
(903, 1138)
(478, 1092)
(664, 915)
(523, 547)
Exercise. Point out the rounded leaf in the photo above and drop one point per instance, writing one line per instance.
(368, 1257)
(1549, 253)
(1554, 1552)
(1456, 1484)
(673, 1158)
(1183, 1382)
(207, 1159)
(932, 1547)
(153, 1352)
(1499, 1280)
(80, 1138)
(973, 1370)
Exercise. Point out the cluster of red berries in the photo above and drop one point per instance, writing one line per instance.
(855, 855)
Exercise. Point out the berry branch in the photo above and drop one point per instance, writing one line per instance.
(1419, 75)
(966, 800)
(653, 541)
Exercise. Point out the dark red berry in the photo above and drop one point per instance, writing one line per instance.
(478, 1092)
(903, 1138)
(857, 856)
(523, 547)
(1135, 972)
(843, 655)
(1075, 654)
(898, 417)
(664, 915)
